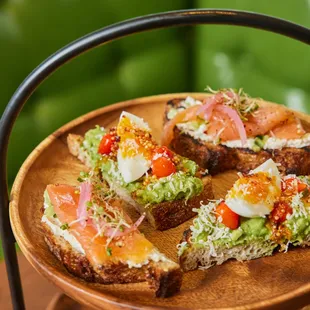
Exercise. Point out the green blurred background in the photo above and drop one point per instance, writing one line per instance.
(266, 65)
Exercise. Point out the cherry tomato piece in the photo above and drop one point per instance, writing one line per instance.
(301, 187)
(288, 184)
(106, 143)
(280, 211)
(165, 151)
(229, 217)
(162, 167)
(293, 185)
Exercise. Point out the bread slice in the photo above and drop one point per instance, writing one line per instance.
(219, 158)
(103, 251)
(216, 237)
(192, 257)
(165, 277)
(161, 216)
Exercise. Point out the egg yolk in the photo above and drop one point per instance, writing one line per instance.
(257, 188)
(134, 140)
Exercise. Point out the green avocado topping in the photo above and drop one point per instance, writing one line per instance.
(253, 229)
(174, 187)
(49, 209)
(180, 185)
(259, 143)
(208, 231)
(299, 222)
(91, 144)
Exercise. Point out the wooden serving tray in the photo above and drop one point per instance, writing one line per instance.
(278, 282)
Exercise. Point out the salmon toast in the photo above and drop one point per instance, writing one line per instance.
(261, 213)
(230, 130)
(156, 181)
(88, 230)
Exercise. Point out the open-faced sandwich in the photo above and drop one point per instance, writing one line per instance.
(90, 233)
(260, 213)
(156, 181)
(230, 130)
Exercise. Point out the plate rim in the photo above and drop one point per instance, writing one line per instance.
(57, 276)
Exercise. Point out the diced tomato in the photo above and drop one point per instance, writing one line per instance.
(301, 187)
(229, 217)
(165, 151)
(293, 185)
(162, 167)
(106, 143)
(280, 211)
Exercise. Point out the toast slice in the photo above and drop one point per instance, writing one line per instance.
(190, 139)
(261, 213)
(126, 257)
(169, 209)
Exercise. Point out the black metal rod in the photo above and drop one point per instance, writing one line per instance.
(12, 269)
(97, 38)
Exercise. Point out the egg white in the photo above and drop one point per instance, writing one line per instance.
(135, 120)
(244, 208)
(134, 166)
(271, 168)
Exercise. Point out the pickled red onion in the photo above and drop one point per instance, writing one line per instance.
(85, 195)
(236, 119)
(209, 105)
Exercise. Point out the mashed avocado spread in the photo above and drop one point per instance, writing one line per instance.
(207, 231)
(180, 185)
(48, 207)
(146, 190)
(299, 222)
(91, 144)
(253, 229)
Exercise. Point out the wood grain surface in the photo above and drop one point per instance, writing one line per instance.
(278, 282)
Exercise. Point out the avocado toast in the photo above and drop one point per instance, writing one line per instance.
(262, 212)
(231, 130)
(153, 179)
(88, 230)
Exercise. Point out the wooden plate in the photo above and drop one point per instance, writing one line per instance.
(281, 281)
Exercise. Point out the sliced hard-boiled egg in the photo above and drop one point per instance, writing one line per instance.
(132, 168)
(254, 195)
(130, 120)
(269, 166)
(134, 155)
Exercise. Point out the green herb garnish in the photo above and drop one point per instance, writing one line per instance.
(84, 175)
(109, 251)
(54, 215)
(100, 210)
(64, 226)
(259, 142)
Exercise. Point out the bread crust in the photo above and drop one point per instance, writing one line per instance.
(164, 277)
(195, 257)
(172, 213)
(163, 215)
(220, 158)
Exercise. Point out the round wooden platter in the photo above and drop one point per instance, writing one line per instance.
(281, 281)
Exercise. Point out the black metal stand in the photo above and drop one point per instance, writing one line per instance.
(97, 38)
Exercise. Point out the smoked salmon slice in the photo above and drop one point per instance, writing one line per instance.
(133, 247)
(266, 120)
